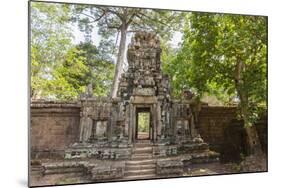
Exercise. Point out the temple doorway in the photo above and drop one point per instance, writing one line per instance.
(143, 124)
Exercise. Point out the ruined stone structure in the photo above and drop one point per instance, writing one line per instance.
(143, 88)
(109, 127)
(109, 145)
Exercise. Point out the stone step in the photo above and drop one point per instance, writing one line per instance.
(140, 162)
(141, 176)
(142, 150)
(190, 147)
(146, 176)
(140, 167)
(140, 172)
(142, 153)
(36, 168)
(36, 173)
(143, 143)
(142, 156)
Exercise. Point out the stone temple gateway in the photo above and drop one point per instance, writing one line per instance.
(110, 146)
(143, 88)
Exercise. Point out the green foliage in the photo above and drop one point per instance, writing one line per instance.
(59, 70)
(70, 78)
(50, 40)
(143, 122)
(101, 69)
(214, 46)
(81, 67)
(168, 56)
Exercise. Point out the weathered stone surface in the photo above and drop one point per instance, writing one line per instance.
(205, 157)
(164, 151)
(103, 172)
(54, 127)
(101, 127)
(169, 167)
(63, 167)
(98, 152)
(86, 124)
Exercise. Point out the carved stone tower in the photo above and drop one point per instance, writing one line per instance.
(143, 88)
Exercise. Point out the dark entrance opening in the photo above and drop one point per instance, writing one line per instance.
(143, 124)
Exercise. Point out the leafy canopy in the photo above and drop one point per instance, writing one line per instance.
(213, 48)
(60, 70)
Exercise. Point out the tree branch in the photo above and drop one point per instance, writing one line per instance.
(139, 25)
(143, 25)
(158, 21)
(132, 16)
(94, 19)
(111, 26)
(113, 12)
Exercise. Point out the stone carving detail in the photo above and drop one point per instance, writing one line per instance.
(144, 75)
(101, 127)
(85, 129)
(144, 91)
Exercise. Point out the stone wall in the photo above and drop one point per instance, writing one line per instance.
(54, 126)
(219, 128)
(212, 122)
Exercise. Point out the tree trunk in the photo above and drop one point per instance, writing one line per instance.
(253, 142)
(120, 60)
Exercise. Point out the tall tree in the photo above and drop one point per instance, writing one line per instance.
(226, 55)
(101, 68)
(50, 40)
(82, 66)
(119, 21)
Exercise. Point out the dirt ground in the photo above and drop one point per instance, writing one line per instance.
(249, 164)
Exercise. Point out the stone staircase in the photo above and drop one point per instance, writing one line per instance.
(142, 165)
(36, 170)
